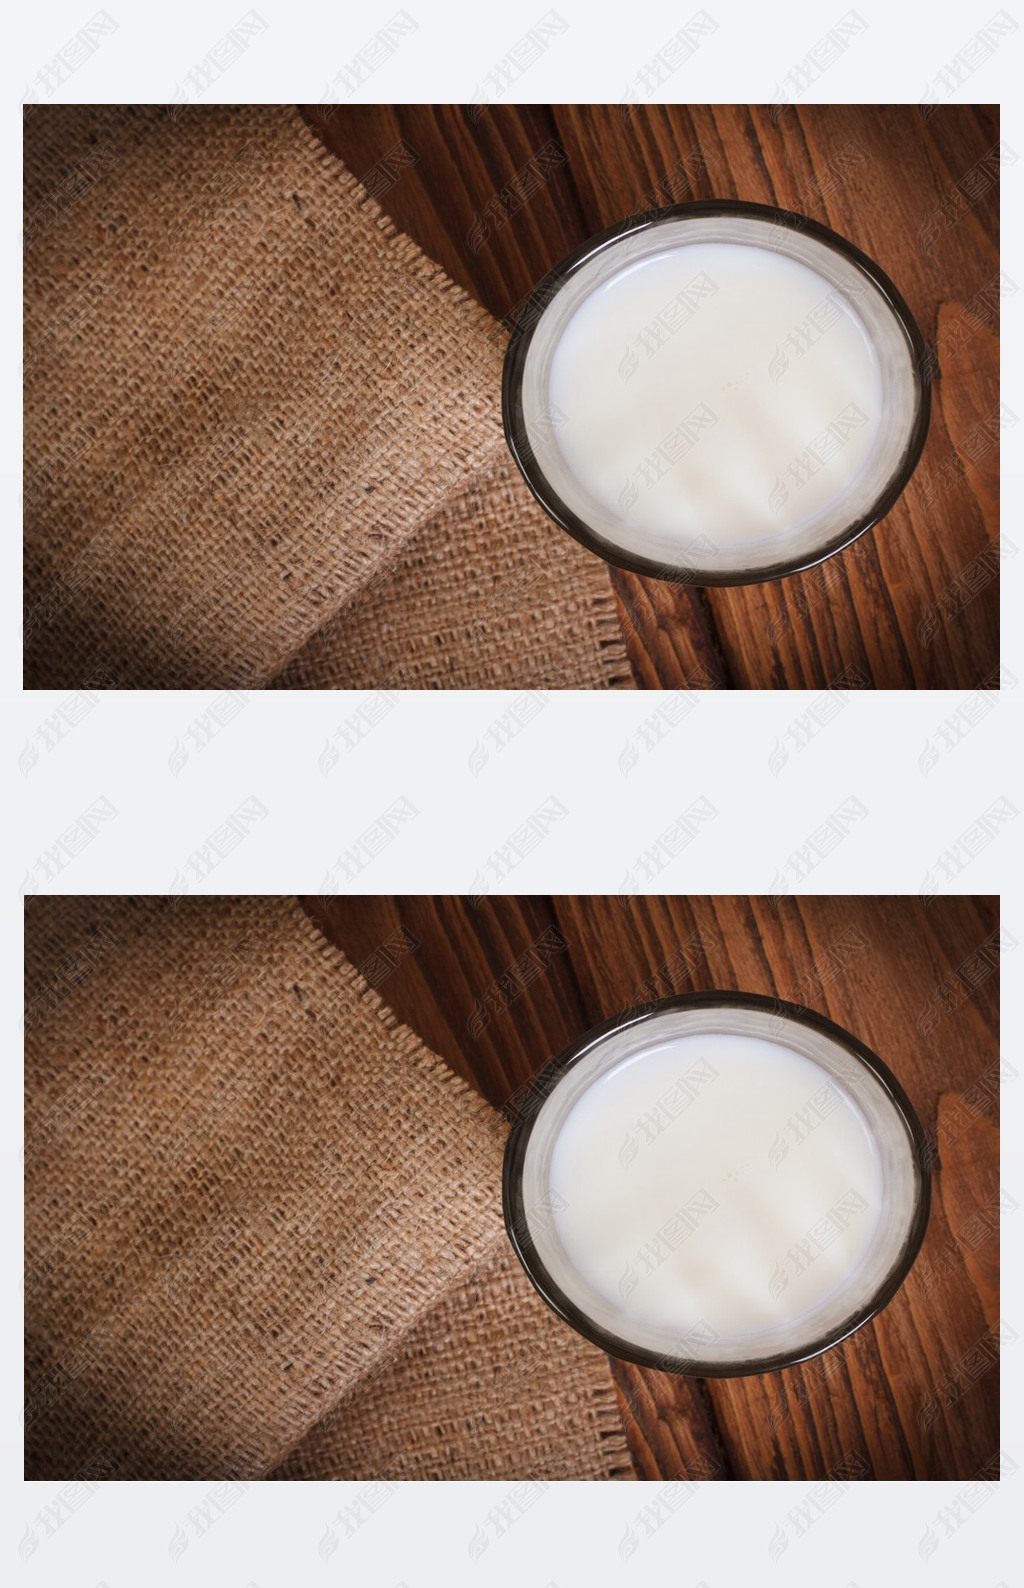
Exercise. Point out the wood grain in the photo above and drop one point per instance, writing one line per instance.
(499, 989)
(917, 194)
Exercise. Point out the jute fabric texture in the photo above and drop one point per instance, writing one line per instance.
(263, 1222)
(262, 431)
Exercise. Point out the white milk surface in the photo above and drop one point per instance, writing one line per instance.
(716, 389)
(721, 1180)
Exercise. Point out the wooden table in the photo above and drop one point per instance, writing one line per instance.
(499, 194)
(499, 988)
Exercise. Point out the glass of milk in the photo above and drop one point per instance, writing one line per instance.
(716, 393)
(719, 1184)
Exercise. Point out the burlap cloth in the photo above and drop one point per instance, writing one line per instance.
(263, 1226)
(262, 431)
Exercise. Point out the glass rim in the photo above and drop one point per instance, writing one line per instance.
(548, 1078)
(517, 439)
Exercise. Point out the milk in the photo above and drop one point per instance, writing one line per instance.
(717, 390)
(714, 1185)
(716, 395)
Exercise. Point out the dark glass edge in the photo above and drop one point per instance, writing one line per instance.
(514, 424)
(547, 1079)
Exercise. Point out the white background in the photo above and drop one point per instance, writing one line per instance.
(725, 751)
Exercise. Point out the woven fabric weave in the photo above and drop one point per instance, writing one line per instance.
(263, 1225)
(262, 431)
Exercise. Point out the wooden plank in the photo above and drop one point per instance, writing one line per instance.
(897, 610)
(914, 1394)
